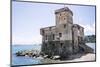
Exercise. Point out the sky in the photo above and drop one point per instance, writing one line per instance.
(28, 18)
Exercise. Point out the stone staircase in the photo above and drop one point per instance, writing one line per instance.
(86, 48)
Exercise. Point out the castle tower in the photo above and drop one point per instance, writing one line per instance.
(64, 22)
(63, 16)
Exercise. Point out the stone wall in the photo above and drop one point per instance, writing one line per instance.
(62, 48)
(64, 38)
(78, 37)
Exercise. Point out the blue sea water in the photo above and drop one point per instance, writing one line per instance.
(24, 60)
(16, 48)
(28, 60)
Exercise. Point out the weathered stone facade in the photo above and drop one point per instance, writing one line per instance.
(63, 39)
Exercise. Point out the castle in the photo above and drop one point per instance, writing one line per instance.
(65, 38)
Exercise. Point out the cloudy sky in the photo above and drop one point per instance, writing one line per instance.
(28, 18)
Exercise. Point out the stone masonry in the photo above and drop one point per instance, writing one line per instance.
(65, 38)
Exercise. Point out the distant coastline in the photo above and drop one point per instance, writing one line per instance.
(90, 39)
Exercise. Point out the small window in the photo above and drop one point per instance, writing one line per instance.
(46, 37)
(64, 18)
(50, 28)
(45, 45)
(60, 14)
(53, 36)
(43, 31)
(64, 25)
(60, 34)
(53, 45)
(61, 45)
(78, 27)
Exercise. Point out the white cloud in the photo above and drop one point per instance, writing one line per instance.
(89, 29)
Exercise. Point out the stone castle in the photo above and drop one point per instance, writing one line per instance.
(65, 38)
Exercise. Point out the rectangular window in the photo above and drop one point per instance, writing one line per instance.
(46, 37)
(42, 31)
(60, 34)
(53, 45)
(53, 36)
(50, 28)
(64, 25)
(61, 45)
(64, 18)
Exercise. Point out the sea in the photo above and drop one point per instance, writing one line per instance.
(20, 60)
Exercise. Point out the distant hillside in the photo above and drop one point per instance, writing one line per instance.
(90, 38)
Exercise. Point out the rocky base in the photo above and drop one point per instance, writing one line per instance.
(38, 54)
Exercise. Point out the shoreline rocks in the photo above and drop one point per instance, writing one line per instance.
(40, 55)
(30, 53)
(35, 54)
